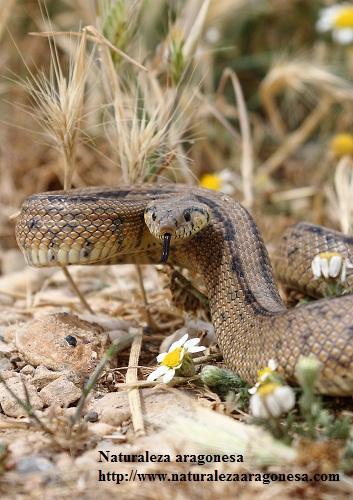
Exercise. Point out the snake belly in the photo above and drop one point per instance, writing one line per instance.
(106, 226)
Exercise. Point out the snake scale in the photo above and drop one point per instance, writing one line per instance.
(108, 226)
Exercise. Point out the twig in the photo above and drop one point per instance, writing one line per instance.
(110, 353)
(247, 161)
(95, 37)
(296, 138)
(209, 357)
(77, 291)
(144, 383)
(133, 394)
(26, 405)
(149, 319)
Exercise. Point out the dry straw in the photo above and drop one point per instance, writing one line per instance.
(59, 101)
(308, 81)
(341, 196)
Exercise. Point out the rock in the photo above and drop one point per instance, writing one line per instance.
(26, 444)
(160, 407)
(34, 463)
(6, 348)
(10, 406)
(112, 408)
(114, 416)
(60, 392)
(101, 429)
(92, 416)
(5, 364)
(27, 370)
(6, 374)
(42, 341)
(42, 376)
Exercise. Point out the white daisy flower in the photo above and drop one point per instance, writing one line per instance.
(224, 181)
(330, 265)
(263, 374)
(339, 20)
(271, 400)
(173, 359)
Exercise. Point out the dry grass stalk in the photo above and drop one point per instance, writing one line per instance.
(134, 394)
(77, 291)
(59, 103)
(247, 160)
(341, 197)
(146, 125)
(6, 9)
(293, 194)
(197, 26)
(306, 80)
(298, 137)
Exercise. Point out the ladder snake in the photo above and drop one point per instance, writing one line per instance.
(107, 226)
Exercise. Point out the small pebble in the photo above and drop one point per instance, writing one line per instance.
(71, 340)
(27, 370)
(33, 463)
(5, 364)
(92, 416)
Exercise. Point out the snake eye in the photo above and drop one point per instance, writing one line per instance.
(187, 216)
(154, 216)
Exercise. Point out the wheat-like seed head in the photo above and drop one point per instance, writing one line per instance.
(308, 82)
(58, 103)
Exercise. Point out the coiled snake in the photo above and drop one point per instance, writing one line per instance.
(214, 235)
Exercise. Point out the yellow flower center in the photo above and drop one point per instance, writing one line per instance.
(211, 181)
(267, 389)
(262, 374)
(174, 358)
(344, 19)
(342, 144)
(329, 255)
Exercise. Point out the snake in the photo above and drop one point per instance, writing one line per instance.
(213, 235)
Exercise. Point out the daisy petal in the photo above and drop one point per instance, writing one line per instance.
(343, 272)
(335, 265)
(316, 266)
(168, 376)
(191, 343)
(324, 268)
(161, 356)
(253, 390)
(343, 36)
(158, 372)
(272, 364)
(197, 348)
(178, 343)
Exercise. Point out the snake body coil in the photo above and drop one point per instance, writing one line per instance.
(106, 226)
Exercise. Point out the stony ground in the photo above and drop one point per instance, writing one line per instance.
(49, 347)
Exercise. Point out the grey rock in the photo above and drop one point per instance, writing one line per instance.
(5, 364)
(42, 376)
(60, 392)
(10, 406)
(27, 370)
(42, 341)
(34, 463)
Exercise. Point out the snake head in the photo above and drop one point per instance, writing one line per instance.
(175, 220)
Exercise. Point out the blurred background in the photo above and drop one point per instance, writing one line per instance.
(253, 98)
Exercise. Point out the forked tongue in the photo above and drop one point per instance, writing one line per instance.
(166, 247)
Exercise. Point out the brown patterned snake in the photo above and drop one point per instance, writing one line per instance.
(107, 226)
